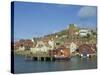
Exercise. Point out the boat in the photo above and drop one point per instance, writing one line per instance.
(61, 58)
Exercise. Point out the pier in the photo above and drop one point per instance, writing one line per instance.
(40, 58)
(45, 57)
(35, 56)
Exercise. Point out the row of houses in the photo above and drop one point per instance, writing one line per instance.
(66, 50)
(40, 45)
(23, 44)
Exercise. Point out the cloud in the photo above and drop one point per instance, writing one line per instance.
(87, 12)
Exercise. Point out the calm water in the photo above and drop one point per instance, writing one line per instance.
(22, 66)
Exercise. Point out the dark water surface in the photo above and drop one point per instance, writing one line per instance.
(76, 63)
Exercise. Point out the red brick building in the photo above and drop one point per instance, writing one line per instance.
(60, 52)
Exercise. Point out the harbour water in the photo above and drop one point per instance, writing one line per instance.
(76, 63)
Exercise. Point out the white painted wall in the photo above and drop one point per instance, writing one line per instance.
(83, 32)
(52, 44)
(21, 48)
(73, 47)
(42, 48)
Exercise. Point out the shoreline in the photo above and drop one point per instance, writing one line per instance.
(29, 56)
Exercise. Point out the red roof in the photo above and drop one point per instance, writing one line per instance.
(86, 48)
(24, 43)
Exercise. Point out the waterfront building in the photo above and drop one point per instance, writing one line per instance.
(40, 47)
(52, 44)
(86, 50)
(28, 44)
(60, 53)
(73, 47)
(19, 45)
(23, 44)
(21, 48)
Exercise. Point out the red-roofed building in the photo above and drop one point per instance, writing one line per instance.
(60, 53)
(23, 44)
(86, 50)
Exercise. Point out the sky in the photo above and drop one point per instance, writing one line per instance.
(38, 19)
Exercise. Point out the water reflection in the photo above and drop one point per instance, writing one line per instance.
(76, 63)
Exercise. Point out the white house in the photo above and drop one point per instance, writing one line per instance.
(21, 48)
(73, 47)
(40, 47)
(52, 44)
(84, 32)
